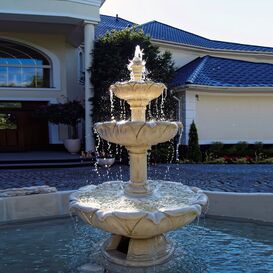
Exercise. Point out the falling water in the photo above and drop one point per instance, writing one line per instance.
(97, 136)
(178, 144)
(162, 104)
(121, 112)
(156, 109)
(172, 152)
(123, 109)
(149, 111)
(112, 105)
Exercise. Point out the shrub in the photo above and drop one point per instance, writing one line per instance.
(216, 148)
(220, 160)
(268, 152)
(162, 153)
(194, 152)
(241, 147)
(266, 161)
(230, 150)
(258, 147)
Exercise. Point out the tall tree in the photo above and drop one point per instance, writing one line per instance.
(194, 152)
(110, 59)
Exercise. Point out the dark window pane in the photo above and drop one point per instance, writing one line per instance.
(28, 77)
(15, 76)
(3, 76)
(21, 66)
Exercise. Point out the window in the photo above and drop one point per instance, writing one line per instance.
(21, 66)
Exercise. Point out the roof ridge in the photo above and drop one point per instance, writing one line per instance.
(207, 39)
(241, 44)
(155, 21)
(236, 60)
(114, 17)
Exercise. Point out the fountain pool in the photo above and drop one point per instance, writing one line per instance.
(63, 245)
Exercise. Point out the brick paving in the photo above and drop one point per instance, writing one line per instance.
(235, 178)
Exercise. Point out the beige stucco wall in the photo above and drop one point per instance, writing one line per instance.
(63, 11)
(183, 54)
(64, 74)
(232, 118)
(64, 57)
(181, 57)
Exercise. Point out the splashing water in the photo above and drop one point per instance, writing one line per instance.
(112, 108)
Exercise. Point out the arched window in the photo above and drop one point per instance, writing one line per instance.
(22, 66)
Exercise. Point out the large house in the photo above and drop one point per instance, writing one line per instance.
(226, 88)
(41, 62)
(45, 47)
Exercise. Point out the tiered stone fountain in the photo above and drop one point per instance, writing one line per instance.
(138, 213)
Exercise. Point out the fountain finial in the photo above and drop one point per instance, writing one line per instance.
(137, 65)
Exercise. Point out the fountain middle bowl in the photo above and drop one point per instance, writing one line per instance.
(137, 133)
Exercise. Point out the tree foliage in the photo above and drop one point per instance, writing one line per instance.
(110, 59)
(194, 152)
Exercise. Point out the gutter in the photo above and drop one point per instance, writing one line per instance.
(180, 130)
(231, 89)
(207, 51)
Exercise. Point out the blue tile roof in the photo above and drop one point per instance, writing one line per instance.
(168, 33)
(109, 23)
(213, 71)
(171, 34)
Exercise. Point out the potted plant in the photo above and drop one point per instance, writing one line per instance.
(105, 159)
(69, 113)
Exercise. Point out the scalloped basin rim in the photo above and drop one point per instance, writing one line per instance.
(137, 133)
(154, 216)
(150, 123)
(137, 82)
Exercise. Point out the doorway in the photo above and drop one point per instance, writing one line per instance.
(20, 129)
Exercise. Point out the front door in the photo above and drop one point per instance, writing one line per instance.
(20, 130)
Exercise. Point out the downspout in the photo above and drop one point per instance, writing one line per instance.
(180, 130)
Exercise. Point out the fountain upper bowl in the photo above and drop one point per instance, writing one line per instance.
(140, 92)
(137, 133)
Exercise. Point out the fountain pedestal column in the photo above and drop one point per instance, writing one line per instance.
(137, 252)
(137, 185)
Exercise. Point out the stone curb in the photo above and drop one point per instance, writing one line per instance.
(251, 207)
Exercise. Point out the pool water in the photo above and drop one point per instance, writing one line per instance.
(208, 246)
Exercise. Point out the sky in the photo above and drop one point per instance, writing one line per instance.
(242, 21)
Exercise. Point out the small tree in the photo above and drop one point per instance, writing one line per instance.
(194, 152)
(110, 59)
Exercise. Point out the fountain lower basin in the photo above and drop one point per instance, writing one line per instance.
(138, 225)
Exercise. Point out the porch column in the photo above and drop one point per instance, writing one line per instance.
(89, 37)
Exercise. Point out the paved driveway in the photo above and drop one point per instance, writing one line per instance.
(236, 178)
